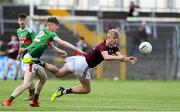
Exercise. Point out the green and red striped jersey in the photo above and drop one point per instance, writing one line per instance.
(26, 36)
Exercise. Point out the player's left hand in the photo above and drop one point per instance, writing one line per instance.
(132, 59)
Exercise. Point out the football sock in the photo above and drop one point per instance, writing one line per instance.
(36, 96)
(67, 91)
(12, 98)
(31, 92)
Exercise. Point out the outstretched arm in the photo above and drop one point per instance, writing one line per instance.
(119, 57)
(131, 59)
(67, 44)
(58, 50)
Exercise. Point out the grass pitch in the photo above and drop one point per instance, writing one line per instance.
(106, 95)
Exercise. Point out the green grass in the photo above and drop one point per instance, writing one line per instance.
(106, 95)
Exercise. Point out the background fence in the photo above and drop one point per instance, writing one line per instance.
(162, 63)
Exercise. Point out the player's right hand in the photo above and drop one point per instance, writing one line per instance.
(132, 59)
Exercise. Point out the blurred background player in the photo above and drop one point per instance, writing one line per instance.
(81, 44)
(13, 48)
(80, 64)
(133, 9)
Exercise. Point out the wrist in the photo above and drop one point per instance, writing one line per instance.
(126, 58)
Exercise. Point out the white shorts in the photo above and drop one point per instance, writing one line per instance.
(13, 61)
(27, 66)
(79, 66)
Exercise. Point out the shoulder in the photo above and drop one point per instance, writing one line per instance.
(9, 43)
(101, 47)
(29, 30)
(102, 44)
(18, 30)
(53, 34)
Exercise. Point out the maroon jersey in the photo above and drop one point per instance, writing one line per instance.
(94, 57)
(15, 47)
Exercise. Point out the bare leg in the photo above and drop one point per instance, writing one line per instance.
(42, 79)
(16, 72)
(28, 77)
(51, 68)
(85, 88)
(39, 85)
(7, 70)
(85, 83)
(31, 89)
(56, 71)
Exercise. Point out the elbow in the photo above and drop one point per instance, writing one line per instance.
(62, 43)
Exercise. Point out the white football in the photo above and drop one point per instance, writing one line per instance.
(145, 47)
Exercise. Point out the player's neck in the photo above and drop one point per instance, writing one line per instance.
(22, 28)
(107, 43)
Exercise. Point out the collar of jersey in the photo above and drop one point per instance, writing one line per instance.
(23, 29)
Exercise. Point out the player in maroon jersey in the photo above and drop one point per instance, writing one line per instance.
(13, 48)
(107, 50)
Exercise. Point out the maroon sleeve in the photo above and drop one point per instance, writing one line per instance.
(102, 47)
(9, 45)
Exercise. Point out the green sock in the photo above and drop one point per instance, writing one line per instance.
(31, 92)
(36, 96)
(12, 98)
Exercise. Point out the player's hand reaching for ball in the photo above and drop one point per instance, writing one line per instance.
(132, 59)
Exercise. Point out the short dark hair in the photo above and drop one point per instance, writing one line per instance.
(22, 15)
(53, 20)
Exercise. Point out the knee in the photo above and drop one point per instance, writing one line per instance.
(87, 90)
(56, 74)
(43, 80)
(27, 85)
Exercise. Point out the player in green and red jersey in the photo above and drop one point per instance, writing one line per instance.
(35, 51)
(26, 36)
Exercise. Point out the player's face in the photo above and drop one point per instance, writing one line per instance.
(56, 27)
(13, 38)
(53, 27)
(113, 40)
(22, 22)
